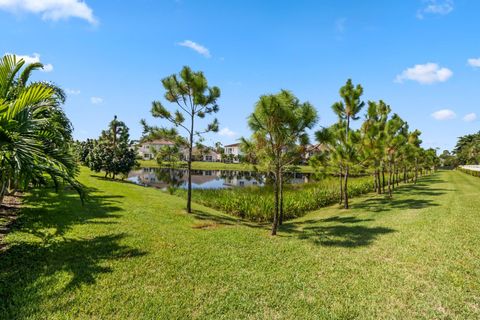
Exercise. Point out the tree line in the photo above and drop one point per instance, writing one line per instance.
(36, 145)
(383, 147)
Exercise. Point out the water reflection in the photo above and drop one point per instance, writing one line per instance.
(170, 179)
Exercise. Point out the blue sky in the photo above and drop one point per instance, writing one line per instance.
(420, 56)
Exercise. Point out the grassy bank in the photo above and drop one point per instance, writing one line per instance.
(257, 203)
(132, 253)
(199, 165)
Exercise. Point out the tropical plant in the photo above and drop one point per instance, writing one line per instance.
(35, 133)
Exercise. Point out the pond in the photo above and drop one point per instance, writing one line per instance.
(205, 179)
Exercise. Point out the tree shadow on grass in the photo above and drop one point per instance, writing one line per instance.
(335, 231)
(42, 249)
(224, 220)
(59, 212)
(28, 269)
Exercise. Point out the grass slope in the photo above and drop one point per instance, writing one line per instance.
(200, 165)
(133, 253)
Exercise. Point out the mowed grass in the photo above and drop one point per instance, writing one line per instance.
(203, 165)
(132, 253)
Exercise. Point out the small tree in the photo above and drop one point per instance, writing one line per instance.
(190, 92)
(279, 123)
(113, 152)
(346, 111)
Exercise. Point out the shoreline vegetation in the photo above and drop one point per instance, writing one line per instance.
(255, 203)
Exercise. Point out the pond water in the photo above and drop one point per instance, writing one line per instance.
(205, 179)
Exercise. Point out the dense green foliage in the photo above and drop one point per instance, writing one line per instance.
(279, 138)
(257, 203)
(467, 150)
(111, 153)
(383, 146)
(35, 133)
(131, 253)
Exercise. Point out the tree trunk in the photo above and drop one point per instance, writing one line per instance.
(379, 189)
(383, 179)
(280, 184)
(340, 175)
(345, 188)
(189, 170)
(390, 173)
(276, 201)
(3, 186)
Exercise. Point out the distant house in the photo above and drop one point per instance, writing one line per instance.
(311, 150)
(146, 149)
(206, 154)
(233, 152)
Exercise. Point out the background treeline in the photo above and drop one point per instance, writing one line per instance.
(466, 152)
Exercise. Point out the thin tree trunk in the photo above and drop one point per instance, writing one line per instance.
(379, 182)
(280, 184)
(340, 175)
(276, 201)
(383, 179)
(345, 188)
(3, 186)
(390, 182)
(189, 170)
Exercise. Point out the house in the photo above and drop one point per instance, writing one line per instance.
(311, 150)
(202, 154)
(146, 149)
(233, 152)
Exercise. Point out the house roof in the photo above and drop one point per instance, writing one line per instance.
(208, 151)
(232, 145)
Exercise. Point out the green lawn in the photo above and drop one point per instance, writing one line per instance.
(200, 165)
(133, 253)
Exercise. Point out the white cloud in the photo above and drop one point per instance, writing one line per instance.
(470, 117)
(48, 67)
(227, 132)
(474, 62)
(435, 7)
(34, 58)
(51, 9)
(425, 74)
(72, 91)
(444, 114)
(96, 100)
(195, 47)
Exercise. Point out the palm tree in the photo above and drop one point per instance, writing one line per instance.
(35, 134)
